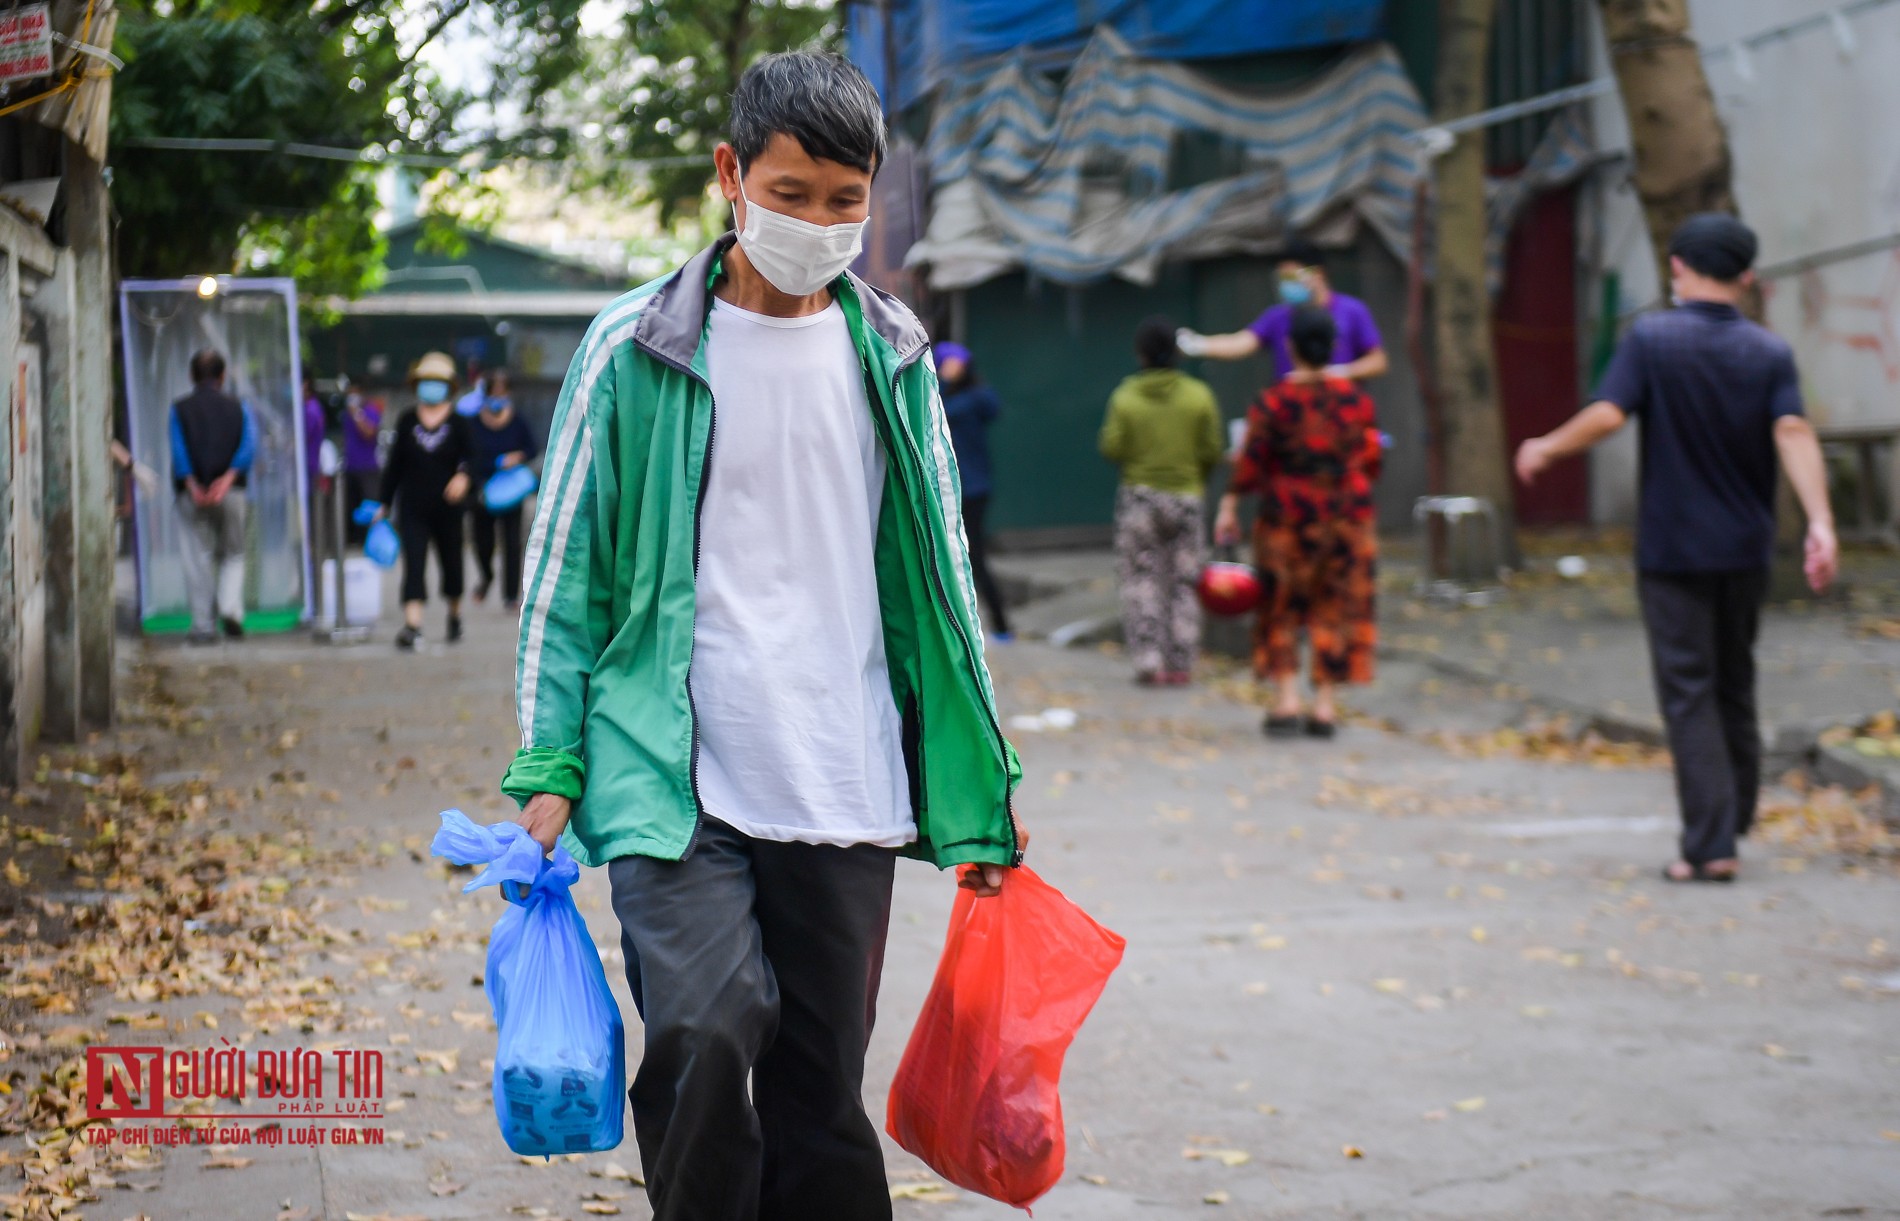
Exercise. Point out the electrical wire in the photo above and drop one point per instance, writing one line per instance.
(371, 156)
(1439, 133)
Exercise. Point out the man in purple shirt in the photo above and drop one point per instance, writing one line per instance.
(1358, 353)
(313, 426)
(319, 517)
(362, 420)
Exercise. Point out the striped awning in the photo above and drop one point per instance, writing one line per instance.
(1071, 181)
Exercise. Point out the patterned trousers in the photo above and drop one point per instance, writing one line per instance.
(1159, 552)
(1319, 576)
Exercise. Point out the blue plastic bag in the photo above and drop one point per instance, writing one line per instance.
(506, 489)
(366, 512)
(382, 546)
(560, 1060)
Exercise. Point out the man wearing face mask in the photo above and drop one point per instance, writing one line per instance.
(751, 670)
(1358, 352)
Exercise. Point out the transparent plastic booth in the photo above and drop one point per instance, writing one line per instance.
(253, 323)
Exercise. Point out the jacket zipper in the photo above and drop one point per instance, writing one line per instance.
(699, 510)
(969, 652)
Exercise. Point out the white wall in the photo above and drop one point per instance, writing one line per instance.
(1817, 166)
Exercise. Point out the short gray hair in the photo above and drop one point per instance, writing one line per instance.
(820, 99)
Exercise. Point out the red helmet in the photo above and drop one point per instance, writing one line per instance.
(1227, 588)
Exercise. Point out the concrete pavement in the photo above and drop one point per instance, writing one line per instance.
(1463, 968)
(1573, 647)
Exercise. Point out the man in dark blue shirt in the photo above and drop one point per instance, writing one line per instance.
(1719, 401)
(214, 441)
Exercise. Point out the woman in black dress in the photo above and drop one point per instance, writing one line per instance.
(426, 481)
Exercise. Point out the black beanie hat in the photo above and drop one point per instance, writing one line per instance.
(1715, 244)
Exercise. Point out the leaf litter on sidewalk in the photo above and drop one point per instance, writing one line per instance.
(144, 891)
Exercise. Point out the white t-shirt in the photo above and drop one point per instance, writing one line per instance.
(799, 737)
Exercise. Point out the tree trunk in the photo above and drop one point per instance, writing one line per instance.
(1682, 157)
(1472, 440)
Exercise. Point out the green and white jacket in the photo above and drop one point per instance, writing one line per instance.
(607, 621)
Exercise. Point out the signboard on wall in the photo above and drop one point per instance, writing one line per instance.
(26, 43)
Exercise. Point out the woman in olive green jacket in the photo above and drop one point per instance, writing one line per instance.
(1163, 429)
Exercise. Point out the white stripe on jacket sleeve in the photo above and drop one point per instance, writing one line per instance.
(565, 511)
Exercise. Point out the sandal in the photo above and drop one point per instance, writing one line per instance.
(1316, 728)
(1697, 873)
(1282, 727)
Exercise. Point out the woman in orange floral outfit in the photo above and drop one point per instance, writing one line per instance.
(1311, 453)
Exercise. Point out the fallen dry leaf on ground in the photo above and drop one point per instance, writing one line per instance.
(614, 1170)
(1549, 741)
(1829, 821)
(447, 1061)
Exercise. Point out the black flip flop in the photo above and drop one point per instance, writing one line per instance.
(1282, 727)
(1697, 873)
(1316, 728)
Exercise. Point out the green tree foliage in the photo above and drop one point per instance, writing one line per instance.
(338, 73)
(655, 87)
(250, 73)
(652, 85)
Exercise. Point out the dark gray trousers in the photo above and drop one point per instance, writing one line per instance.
(760, 959)
(1702, 629)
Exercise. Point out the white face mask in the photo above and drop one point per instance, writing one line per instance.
(796, 256)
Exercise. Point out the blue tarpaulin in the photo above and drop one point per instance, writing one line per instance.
(934, 39)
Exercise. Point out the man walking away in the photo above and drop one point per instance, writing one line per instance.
(1719, 398)
(751, 669)
(214, 440)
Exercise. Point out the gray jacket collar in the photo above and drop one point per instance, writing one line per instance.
(671, 324)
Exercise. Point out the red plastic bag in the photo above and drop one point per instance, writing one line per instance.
(975, 1096)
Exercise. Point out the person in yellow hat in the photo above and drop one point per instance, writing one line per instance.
(427, 481)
